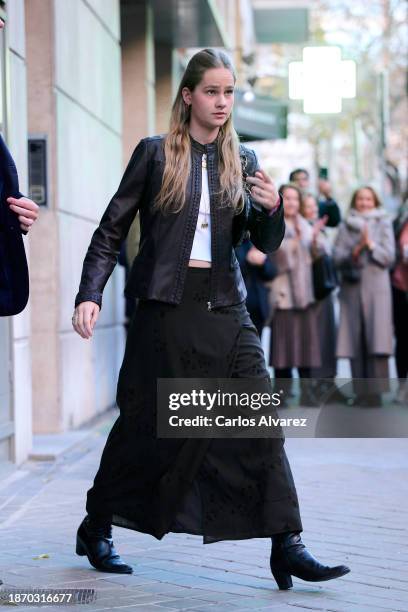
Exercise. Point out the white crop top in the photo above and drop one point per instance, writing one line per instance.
(201, 248)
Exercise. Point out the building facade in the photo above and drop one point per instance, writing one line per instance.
(15, 350)
(86, 79)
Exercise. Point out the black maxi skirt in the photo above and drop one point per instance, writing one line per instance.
(221, 489)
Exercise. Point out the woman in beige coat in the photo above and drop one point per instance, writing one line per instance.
(364, 251)
(295, 337)
(325, 385)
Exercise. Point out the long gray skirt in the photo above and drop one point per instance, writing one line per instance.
(218, 488)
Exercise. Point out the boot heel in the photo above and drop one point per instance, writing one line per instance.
(283, 579)
(80, 549)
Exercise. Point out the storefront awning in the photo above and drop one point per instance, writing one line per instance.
(189, 23)
(259, 117)
(281, 21)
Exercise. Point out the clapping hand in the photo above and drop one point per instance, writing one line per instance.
(365, 242)
(318, 226)
(365, 239)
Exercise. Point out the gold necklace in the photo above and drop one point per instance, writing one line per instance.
(204, 224)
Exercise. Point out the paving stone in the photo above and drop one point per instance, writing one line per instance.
(352, 496)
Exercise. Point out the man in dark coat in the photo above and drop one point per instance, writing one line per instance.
(17, 214)
(256, 269)
(327, 206)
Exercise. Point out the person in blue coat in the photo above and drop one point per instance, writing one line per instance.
(256, 269)
(17, 214)
(328, 207)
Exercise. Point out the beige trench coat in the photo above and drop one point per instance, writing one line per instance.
(293, 286)
(371, 296)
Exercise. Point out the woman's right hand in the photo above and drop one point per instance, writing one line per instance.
(84, 318)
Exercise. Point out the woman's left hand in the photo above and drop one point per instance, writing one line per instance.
(264, 191)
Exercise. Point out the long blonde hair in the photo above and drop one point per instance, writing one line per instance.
(171, 197)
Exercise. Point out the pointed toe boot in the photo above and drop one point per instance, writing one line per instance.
(95, 541)
(289, 557)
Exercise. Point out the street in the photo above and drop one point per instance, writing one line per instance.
(353, 498)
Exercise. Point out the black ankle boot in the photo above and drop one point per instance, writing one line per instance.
(289, 557)
(95, 541)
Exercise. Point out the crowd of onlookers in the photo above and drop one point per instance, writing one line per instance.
(361, 266)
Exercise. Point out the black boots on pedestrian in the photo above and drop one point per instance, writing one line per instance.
(95, 541)
(289, 557)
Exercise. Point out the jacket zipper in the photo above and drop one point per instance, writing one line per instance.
(204, 165)
(213, 295)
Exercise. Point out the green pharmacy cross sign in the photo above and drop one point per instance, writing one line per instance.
(322, 80)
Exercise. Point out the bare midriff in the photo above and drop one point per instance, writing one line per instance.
(198, 263)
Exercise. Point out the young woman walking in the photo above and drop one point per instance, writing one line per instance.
(190, 322)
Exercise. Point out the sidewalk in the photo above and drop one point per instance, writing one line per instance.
(353, 497)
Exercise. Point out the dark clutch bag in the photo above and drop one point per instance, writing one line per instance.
(13, 264)
(14, 283)
(350, 273)
(324, 276)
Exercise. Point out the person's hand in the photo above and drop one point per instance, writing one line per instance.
(365, 238)
(264, 191)
(84, 318)
(319, 225)
(365, 242)
(255, 257)
(26, 209)
(2, 24)
(325, 188)
(298, 231)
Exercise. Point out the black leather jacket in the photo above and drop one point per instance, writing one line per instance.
(159, 269)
